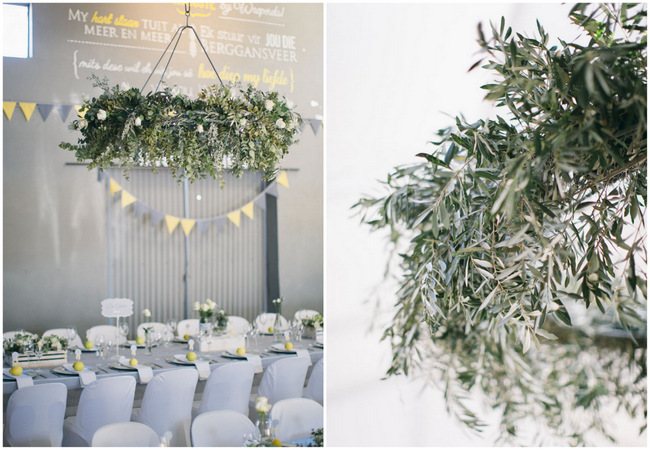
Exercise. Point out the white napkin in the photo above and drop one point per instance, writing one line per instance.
(256, 361)
(144, 372)
(303, 353)
(21, 380)
(85, 376)
(204, 369)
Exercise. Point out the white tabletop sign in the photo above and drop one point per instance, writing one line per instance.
(117, 307)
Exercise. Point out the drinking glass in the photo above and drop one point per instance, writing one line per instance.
(124, 330)
(109, 344)
(171, 323)
(72, 334)
(99, 344)
(38, 352)
(29, 352)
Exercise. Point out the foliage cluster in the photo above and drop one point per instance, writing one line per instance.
(20, 342)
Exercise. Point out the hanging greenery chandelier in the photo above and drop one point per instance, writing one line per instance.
(226, 127)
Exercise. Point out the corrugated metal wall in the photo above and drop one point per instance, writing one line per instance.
(147, 264)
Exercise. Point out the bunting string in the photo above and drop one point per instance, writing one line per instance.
(187, 224)
(64, 110)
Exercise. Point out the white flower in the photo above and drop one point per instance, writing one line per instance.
(197, 306)
(84, 97)
(199, 128)
(290, 104)
(280, 123)
(101, 115)
(262, 405)
(269, 105)
(72, 126)
(83, 123)
(205, 307)
(125, 86)
(138, 122)
(146, 312)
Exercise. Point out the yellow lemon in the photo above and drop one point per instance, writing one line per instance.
(186, 337)
(191, 356)
(270, 329)
(133, 362)
(16, 370)
(276, 443)
(288, 345)
(139, 340)
(89, 344)
(241, 351)
(78, 366)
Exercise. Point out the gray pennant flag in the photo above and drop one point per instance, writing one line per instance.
(261, 201)
(156, 217)
(203, 225)
(64, 111)
(302, 126)
(219, 222)
(273, 189)
(102, 176)
(44, 109)
(315, 124)
(140, 208)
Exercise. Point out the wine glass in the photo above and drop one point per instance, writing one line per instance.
(171, 324)
(72, 334)
(248, 439)
(38, 352)
(29, 352)
(124, 330)
(109, 344)
(99, 344)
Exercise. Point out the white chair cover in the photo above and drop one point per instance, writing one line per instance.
(157, 327)
(222, 429)
(187, 326)
(11, 334)
(284, 378)
(105, 401)
(167, 404)
(266, 320)
(295, 418)
(314, 389)
(238, 324)
(305, 314)
(34, 416)
(63, 332)
(125, 434)
(229, 387)
(109, 332)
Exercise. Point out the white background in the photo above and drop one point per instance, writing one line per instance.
(395, 75)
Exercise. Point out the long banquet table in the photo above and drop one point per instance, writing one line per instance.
(159, 360)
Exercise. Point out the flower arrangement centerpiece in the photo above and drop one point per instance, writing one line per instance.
(148, 341)
(220, 320)
(52, 349)
(277, 324)
(314, 322)
(205, 309)
(267, 434)
(226, 127)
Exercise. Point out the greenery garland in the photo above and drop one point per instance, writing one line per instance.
(226, 127)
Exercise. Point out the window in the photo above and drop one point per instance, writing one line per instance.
(17, 26)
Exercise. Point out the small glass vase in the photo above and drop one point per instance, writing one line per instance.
(277, 332)
(267, 433)
(148, 342)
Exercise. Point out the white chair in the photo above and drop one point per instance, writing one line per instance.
(282, 379)
(167, 405)
(11, 334)
(266, 320)
(63, 332)
(305, 314)
(295, 418)
(187, 326)
(125, 434)
(238, 324)
(105, 401)
(110, 332)
(157, 327)
(222, 429)
(314, 389)
(229, 387)
(34, 416)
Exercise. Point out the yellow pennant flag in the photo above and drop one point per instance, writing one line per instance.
(187, 225)
(8, 108)
(80, 110)
(248, 209)
(235, 216)
(28, 109)
(115, 187)
(283, 180)
(127, 199)
(172, 223)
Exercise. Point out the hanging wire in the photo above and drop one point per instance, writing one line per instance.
(177, 38)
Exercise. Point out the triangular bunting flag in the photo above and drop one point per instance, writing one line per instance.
(45, 109)
(203, 225)
(187, 225)
(219, 222)
(249, 209)
(283, 180)
(115, 187)
(172, 223)
(127, 199)
(235, 217)
(156, 217)
(140, 208)
(315, 124)
(101, 175)
(273, 189)
(261, 201)
(81, 110)
(64, 111)
(301, 127)
(8, 108)
(28, 109)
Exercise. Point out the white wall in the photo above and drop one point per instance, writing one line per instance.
(394, 75)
